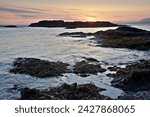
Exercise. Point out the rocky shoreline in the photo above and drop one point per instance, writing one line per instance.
(38, 68)
(134, 79)
(122, 37)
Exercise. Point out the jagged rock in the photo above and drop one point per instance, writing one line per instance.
(141, 95)
(65, 92)
(39, 68)
(124, 37)
(134, 77)
(83, 68)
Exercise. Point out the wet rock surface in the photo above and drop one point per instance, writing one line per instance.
(84, 68)
(114, 68)
(65, 92)
(39, 68)
(124, 37)
(90, 59)
(134, 77)
(42, 68)
(140, 95)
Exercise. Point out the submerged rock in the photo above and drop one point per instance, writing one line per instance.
(83, 68)
(134, 77)
(39, 68)
(124, 37)
(64, 92)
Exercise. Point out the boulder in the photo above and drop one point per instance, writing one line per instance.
(39, 68)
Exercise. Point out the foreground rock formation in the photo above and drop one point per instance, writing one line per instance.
(42, 68)
(134, 80)
(65, 92)
(84, 68)
(39, 68)
(134, 77)
(76, 24)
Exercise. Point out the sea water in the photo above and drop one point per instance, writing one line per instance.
(45, 44)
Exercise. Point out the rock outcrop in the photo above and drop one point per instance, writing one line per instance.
(42, 68)
(134, 77)
(65, 92)
(84, 68)
(124, 37)
(39, 68)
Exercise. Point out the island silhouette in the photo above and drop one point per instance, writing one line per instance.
(74, 24)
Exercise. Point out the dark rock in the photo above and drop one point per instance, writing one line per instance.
(134, 77)
(33, 94)
(65, 92)
(91, 59)
(39, 68)
(84, 67)
(140, 95)
(111, 75)
(114, 68)
(124, 37)
(74, 34)
(76, 24)
(10, 26)
(43, 68)
(70, 27)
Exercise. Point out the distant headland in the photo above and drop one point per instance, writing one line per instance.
(75, 24)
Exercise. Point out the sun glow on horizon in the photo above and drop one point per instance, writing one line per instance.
(90, 19)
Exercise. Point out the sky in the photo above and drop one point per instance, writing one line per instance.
(28, 11)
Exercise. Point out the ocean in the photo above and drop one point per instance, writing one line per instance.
(45, 44)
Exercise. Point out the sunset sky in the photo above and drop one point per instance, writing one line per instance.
(27, 11)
